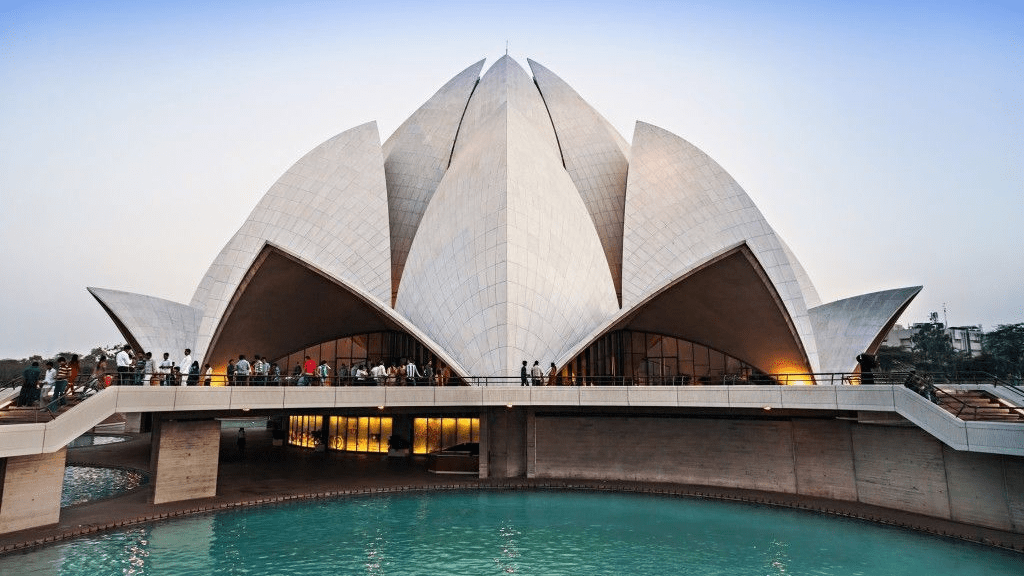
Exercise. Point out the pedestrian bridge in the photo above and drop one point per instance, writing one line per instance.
(880, 399)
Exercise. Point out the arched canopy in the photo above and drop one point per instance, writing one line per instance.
(727, 304)
(283, 304)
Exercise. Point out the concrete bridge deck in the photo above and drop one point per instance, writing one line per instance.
(973, 436)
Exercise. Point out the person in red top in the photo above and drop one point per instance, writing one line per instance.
(308, 367)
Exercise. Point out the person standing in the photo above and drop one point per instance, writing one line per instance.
(99, 373)
(428, 374)
(139, 371)
(308, 368)
(123, 362)
(29, 385)
(60, 385)
(208, 377)
(552, 375)
(165, 369)
(76, 367)
(867, 367)
(186, 361)
(411, 373)
(323, 372)
(148, 369)
(537, 373)
(242, 371)
(523, 375)
(49, 380)
(229, 374)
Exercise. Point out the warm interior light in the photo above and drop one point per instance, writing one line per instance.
(380, 407)
(508, 405)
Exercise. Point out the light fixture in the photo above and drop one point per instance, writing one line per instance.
(508, 405)
(767, 408)
(245, 409)
(381, 407)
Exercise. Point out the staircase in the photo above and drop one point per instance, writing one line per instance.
(978, 405)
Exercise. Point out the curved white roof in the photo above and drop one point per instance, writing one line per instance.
(681, 208)
(506, 220)
(329, 209)
(506, 266)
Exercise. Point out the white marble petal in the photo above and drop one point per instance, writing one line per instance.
(416, 157)
(154, 324)
(330, 209)
(512, 268)
(847, 327)
(596, 157)
(681, 207)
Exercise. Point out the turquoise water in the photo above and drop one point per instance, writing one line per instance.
(540, 533)
(88, 483)
(95, 440)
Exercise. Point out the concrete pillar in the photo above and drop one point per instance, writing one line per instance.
(506, 443)
(30, 488)
(184, 459)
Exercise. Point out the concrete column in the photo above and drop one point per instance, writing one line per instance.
(184, 459)
(30, 488)
(485, 443)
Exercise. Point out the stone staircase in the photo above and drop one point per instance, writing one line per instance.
(979, 405)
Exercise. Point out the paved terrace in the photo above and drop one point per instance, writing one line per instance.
(973, 436)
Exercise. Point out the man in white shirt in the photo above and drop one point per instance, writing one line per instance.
(49, 380)
(123, 361)
(165, 370)
(242, 371)
(186, 365)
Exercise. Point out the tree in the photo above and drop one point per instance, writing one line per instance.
(1006, 346)
(895, 359)
(933, 346)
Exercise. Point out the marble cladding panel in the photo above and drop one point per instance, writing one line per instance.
(330, 209)
(681, 208)
(513, 269)
(158, 325)
(416, 157)
(845, 328)
(596, 158)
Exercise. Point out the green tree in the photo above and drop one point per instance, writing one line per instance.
(895, 359)
(934, 348)
(1006, 346)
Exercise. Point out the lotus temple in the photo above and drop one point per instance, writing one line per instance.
(506, 221)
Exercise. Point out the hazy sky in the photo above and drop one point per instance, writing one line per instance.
(884, 141)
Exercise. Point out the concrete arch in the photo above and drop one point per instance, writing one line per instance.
(284, 302)
(682, 207)
(330, 209)
(847, 327)
(726, 303)
(150, 324)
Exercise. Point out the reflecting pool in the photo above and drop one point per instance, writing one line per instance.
(542, 533)
(88, 483)
(96, 440)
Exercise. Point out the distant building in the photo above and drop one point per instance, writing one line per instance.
(965, 339)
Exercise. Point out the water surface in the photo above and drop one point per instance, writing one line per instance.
(539, 533)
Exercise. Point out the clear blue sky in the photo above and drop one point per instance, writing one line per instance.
(883, 141)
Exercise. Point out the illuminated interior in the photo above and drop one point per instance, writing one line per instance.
(391, 347)
(647, 359)
(433, 434)
(371, 433)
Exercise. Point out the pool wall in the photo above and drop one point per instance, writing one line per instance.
(901, 468)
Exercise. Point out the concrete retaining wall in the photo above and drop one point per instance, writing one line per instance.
(901, 468)
(30, 489)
